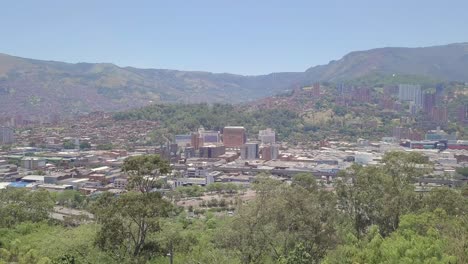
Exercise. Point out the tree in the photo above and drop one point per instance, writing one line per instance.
(379, 195)
(85, 145)
(142, 171)
(463, 171)
(283, 219)
(107, 146)
(419, 239)
(451, 201)
(68, 144)
(306, 181)
(128, 223)
(70, 198)
(20, 205)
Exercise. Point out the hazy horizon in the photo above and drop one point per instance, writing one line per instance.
(239, 38)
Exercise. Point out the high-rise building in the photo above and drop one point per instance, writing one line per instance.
(189, 152)
(270, 152)
(183, 140)
(249, 151)
(410, 92)
(439, 94)
(316, 90)
(267, 136)
(462, 113)
(439, 115)
(7, 135)
(413, 108)
(429, 102)
(195, 141)
(212, 151)
(209, 136)
(202, 136)
(390, 90)
(234, 136)
(362, 94)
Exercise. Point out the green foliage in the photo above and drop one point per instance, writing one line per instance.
(381, 80)
(419, 239)
(283, 219)
(107, 146)
(374, 217)
(379, 195)
(128, 222)
(189, 191)
(70, 198)
(20, 205)
(179, 118)
(143, 171)
(463, 171)
(450, 200)
(52, 243)
(219, 187)
(85, 145)
(68, 144)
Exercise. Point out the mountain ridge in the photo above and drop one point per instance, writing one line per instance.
(38, 87)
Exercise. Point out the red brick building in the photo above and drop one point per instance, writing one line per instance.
(234, 136)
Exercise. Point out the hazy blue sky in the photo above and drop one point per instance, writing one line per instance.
(247, 37)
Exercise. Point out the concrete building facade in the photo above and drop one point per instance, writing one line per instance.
(267, 136)
(7, 135)
(249, 151)
(234, 136)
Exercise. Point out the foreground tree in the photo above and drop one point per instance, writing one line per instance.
(20, 205)
(142, 171)
(128, 222)
(379, 195)
(284, 223)
(421, 238)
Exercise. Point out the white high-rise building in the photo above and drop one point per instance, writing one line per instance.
(7, 135)
(209, 136)
(410, 92)
(267, 136)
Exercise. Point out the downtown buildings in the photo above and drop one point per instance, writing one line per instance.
(7, 135)
(234, 136)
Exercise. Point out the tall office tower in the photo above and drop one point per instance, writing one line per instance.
(267, 136)
(410, 92)
(462, 114)
(316, 90)
(390, 90)
(234, 136)
(209, 136)
(362, 94)
(195, 140)
(270, 152)
(249, 151)
(7, 135)
(439, 94)
(439, 115)
(429, 102)
(212, 151)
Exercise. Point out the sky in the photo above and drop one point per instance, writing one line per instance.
(243, 37)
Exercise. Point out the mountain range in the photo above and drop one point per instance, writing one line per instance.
(41, 88)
